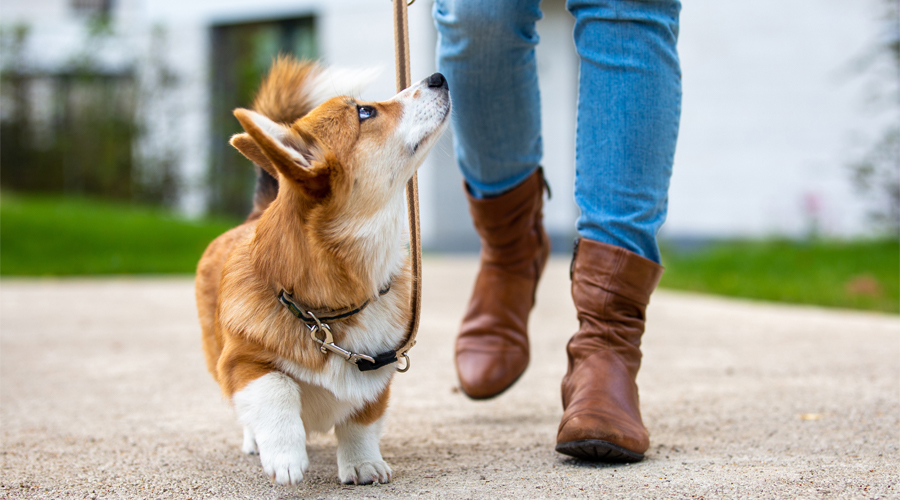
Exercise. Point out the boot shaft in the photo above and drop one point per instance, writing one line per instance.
(509, 225)
(611, 288)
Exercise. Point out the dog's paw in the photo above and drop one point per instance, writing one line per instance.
(375, 471)
(285, 467)
(249, 446)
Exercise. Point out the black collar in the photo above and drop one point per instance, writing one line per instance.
(325, 315)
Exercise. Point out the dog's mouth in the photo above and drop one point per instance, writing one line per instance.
(438, 130)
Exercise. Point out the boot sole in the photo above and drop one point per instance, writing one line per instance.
(594, 450)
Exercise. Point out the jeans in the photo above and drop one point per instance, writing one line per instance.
(629, 106)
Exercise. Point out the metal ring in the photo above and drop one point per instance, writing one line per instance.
(407, 364)
(313, 316)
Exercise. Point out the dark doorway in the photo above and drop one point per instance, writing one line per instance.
(242, 53)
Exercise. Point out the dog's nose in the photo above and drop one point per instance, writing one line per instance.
(438, 80)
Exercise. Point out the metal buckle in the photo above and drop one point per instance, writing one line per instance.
(327, 344)
(407, 363)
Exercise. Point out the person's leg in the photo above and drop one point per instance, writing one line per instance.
(629, 104)
(628, 113)
(486, 52)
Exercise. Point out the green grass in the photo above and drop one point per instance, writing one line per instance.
(855, 274)
(55, 236)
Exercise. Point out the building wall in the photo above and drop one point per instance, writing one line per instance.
(772, 110)
(773, 113)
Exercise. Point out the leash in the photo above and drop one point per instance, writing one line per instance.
(401, 62)
(317, 324)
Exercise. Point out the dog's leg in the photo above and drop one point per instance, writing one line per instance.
(270, 407)
(358, 455)
(249, 445)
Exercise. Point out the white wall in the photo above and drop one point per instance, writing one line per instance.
(772, 114)
(771, 111)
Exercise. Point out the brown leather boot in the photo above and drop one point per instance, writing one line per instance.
(492, 346)
(602, 418)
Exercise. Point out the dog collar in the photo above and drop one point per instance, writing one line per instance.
(326, 315)
(318, 323)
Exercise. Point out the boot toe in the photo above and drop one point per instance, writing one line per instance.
(485, 374)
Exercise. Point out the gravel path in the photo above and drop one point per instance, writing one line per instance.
(104, 394)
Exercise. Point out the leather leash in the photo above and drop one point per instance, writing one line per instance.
(319, 324)
(401, 63)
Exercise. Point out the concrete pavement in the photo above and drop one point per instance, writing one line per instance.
(104, 394)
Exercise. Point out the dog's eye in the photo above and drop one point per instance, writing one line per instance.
(365, 112)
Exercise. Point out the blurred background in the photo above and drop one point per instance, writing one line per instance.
(115, 117)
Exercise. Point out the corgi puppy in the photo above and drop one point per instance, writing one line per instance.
(303, 305)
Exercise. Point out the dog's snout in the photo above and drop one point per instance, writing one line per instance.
(438, 80)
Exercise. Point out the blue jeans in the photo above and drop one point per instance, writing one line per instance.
(629, 105)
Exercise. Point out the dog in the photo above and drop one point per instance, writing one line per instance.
(296, 303)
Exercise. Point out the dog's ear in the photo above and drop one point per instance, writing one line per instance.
(250, 149)
(287, 152)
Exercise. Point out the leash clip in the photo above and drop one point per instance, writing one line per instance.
(327, 344)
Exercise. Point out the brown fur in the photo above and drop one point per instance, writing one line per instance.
(241, 362)
(281, 98)
(292, 244)
(209, 276)
(370, 413)
(281, 95)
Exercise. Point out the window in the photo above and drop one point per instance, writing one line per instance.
(99, 8)
(242, 54)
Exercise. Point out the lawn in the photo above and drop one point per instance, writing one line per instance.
(52, 236)
(850, 274)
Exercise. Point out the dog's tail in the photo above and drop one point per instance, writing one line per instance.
(290, 90)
